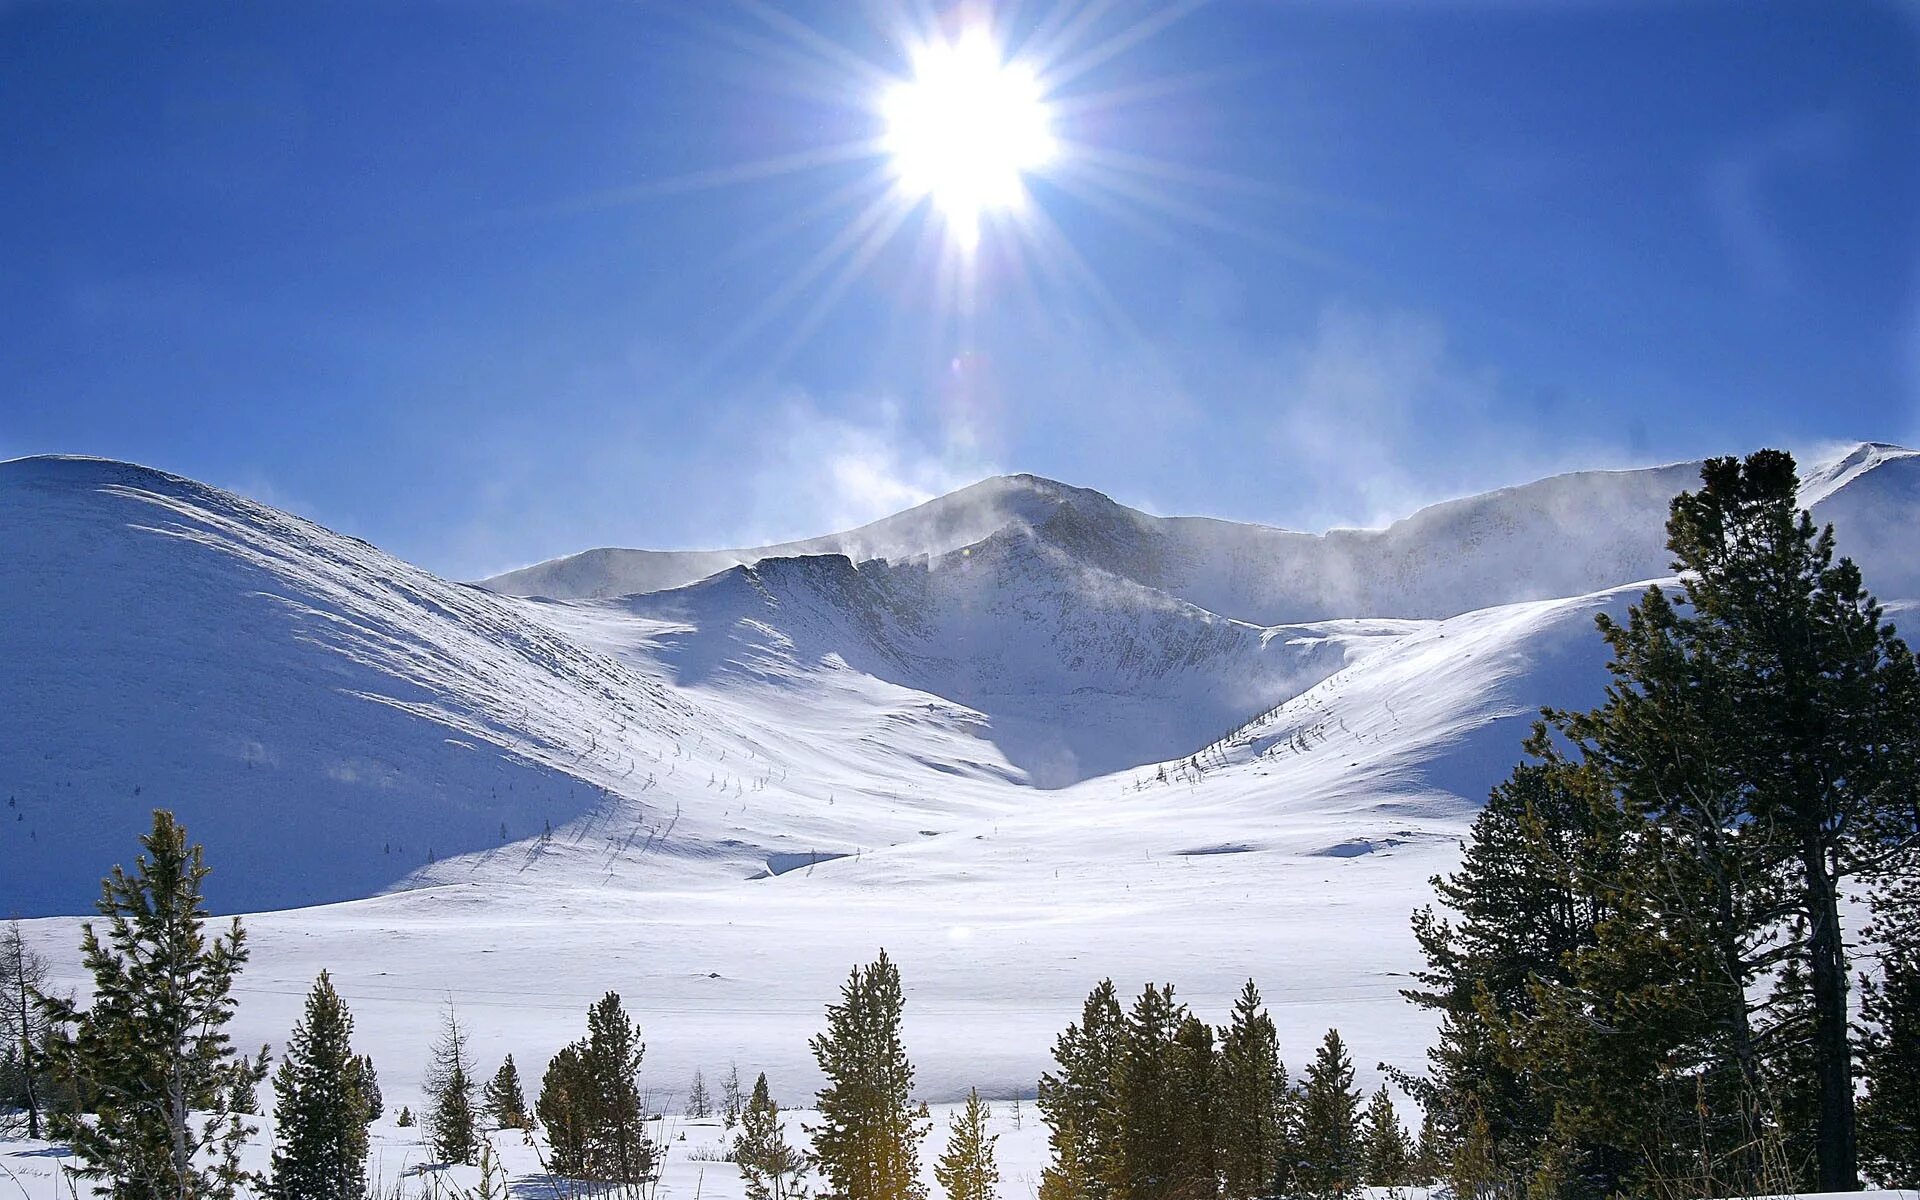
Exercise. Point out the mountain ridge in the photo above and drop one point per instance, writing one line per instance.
(1584, 530)
(299, 696)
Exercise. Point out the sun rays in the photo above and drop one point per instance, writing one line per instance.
(985, 117)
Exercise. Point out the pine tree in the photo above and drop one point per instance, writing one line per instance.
(506, 1102)
(451, 1128)
(1890, 1061)
(621, 1150)
(565, 1109)
(1649, 1047)
(1250, 1100)
(1821, 733)
(1067, 1176)
(1197, 1170)
(772, 1169)
(1080, 1102)
(1519, 911)
(1760, 738)
(967, 1170)
(23, 1028)
(699, 1101)
(368, 1081)
(1429, 1153)
(1473, 1169)
(1384, 1147)
(1654, 993)
(1330, 1152)
(1151, 1162)
(244, 1098)
(152, 1056)
(590, 1102)
(320, 1111)
(730, 1099)
(405, 1119)
(867, 1142)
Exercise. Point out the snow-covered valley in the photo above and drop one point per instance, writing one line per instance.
(1023, 737)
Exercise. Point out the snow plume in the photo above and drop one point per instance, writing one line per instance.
(1738, 185)
(821, 470)
(1380, 415)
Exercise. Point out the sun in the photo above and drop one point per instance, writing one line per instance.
(965, 131)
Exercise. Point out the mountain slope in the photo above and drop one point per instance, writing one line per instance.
(1075, 672)
(325, 716)
(338, 723)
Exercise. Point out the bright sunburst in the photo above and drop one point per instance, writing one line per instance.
(994, 95)
(965, 130)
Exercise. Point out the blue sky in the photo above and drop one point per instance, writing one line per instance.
(481, 282)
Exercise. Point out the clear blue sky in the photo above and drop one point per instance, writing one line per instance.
(475, 282)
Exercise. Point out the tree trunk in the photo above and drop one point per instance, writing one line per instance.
(1748, 1162)
(1833, 1060)
(26, 1056)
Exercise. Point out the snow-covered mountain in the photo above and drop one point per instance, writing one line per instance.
(1562, 536)
(991, 733)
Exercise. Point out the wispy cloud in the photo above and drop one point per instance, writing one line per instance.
(1371, 414)
(820, 471)
(1358, 397)
(1736, 193)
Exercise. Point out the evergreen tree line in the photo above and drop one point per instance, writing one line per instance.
(1640, 967)
(144, 1085)
(1151, 1103)
(152, 1097)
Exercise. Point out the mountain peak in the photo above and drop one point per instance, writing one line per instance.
(1827, 475)
(81, 469)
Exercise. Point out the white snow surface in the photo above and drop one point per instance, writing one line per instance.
(984, 734)
(691, 1166)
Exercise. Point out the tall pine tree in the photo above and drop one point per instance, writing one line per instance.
(1755, 756)
(565, 1110)
(152, 1056)
(1890, 1049)
(1198, 1171)
(1079, 1101)
(1760, 738)
(614, 1050)
(320, 1111)
(1150, 1164)
(1250, 1101)
(1331, 1160)
(23, 1028)
(450, 1085)
(867, 1142)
